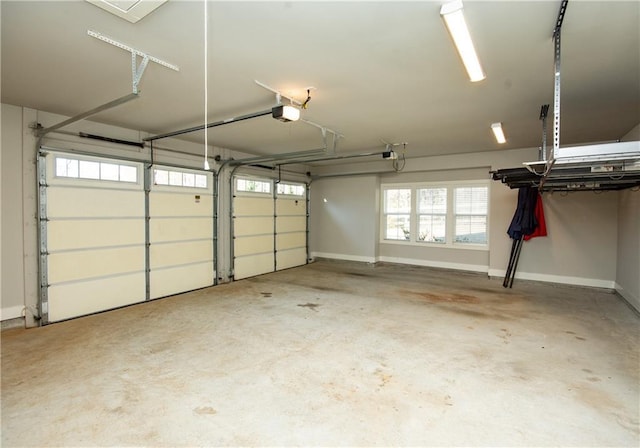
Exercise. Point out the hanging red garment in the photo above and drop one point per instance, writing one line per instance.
(541, 229)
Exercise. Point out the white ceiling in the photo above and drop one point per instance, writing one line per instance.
(383, 70)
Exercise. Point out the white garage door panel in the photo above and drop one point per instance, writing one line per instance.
(175, 204)
(93, 202)
(290, 240)
(290, 207)
(291, 258)
(77, 299)
(291, 224)
(77, 234)
(248, 245)
(166, 282)
(178, 229)
(172, 254)
(249, 206)
(254, 265)
(69, 266)
(250, 226)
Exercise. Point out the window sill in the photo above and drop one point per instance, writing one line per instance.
(480, 247)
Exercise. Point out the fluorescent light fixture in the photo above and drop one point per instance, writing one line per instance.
(286, 113)
(454, 19)
(497, 131)
(130, 10)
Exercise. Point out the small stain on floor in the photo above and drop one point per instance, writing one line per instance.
(205, 410)
(311, 306)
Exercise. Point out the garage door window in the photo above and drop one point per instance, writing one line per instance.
(285, 189)
(94, 170)
(246, 185)
(178, 178)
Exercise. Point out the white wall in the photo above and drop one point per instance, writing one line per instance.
(583, 232)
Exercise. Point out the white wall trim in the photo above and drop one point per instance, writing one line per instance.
(344, 257)
(436, 264)
(628, 296)
(11, 312)
(563, 279)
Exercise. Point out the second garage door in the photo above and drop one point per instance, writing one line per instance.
(269, 227)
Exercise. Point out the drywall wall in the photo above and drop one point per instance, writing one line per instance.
(628, 266)
(12, 301)
(581, 245)
(583, 234)
(628, 246)
(344, 218)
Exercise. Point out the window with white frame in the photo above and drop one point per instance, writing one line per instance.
(247, 185)
(95, 170)
(470, 211)
(397, 213)
(447, 214)
(290, 189)
(179, 178)
(432, 214)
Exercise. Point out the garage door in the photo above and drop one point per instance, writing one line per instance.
(180, 231)
(253, 227)
(291, 225)
(269, 232)
(92, 235)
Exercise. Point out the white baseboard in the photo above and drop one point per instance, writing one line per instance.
(563, 279)
(11, 312)
(436, 264)
(632, 299)
(343, 257)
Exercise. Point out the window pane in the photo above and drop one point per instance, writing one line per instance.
(290, 189)
(471, 229)
(89, 170)
(128, 173)
(109, 171)
(397, 200)
(66, 167)
(188, 180)
(398, 227)
(161, 177)
(471, 200)
(201, 181)
(432, 228)
(432, 200)
(253, 186)
(175, 178)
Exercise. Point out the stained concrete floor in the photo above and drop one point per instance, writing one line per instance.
(334, 353)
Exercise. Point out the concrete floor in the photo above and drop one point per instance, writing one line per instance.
(334, 353)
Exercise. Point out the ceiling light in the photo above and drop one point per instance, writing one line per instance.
(497, 131)
(130, 10)
(285, 113)
(454, 19)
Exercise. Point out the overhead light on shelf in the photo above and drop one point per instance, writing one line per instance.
(497, 131)
(285, 113)
(453, 17)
